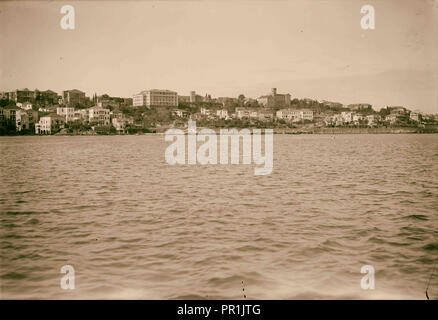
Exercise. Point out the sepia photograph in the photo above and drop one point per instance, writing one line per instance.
(219, 151)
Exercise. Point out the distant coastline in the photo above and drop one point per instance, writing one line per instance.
(286, 131)
(27, 112)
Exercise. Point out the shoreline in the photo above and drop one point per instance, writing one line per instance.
(284, 131)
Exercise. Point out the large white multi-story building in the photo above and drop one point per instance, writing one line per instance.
(139, 100)
(67, 112)
(81, 115)
(295, 115)
(306, 114)
(100, 116)
(155, 97)
(49, 124)
(288, 114)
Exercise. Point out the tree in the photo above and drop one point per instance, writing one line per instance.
(384, 112)
(7, 103)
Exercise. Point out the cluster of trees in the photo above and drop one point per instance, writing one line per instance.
(243, 123)
(6, 103)
(321, 107)
(40, 100)
(7, 127)
(77, 126)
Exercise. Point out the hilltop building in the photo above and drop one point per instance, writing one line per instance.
(184, 99)
(397, 110)
(156, 97)
(227, 102)
(107, 101)
(22, 95)
(73, 97)
(195, 97)
(48, 96)
(332, 104)
(275, 100)
(26, 95)
(359, 106)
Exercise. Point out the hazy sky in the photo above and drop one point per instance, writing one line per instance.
(313, 49)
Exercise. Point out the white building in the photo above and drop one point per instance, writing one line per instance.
(253, 114)
(347, 117)
(415, 116)
(180, 113)
(295, 115)
(242, 113)
(21, 120)
(155, 97)
(81, 115)
(306, 114)
(139, 100)
(41, 109)
(222, 113)
(357, 118)
(67, 112)
(392, 118)
(99, 115)
(49, 124)
(288, 115)
(25, 105)
(372, 120)
(205, 111)
(120, 122)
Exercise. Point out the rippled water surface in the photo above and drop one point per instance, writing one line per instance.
(133, 226)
